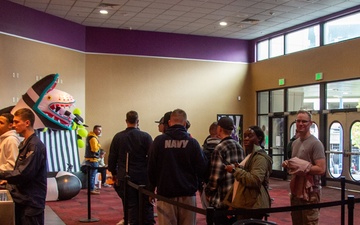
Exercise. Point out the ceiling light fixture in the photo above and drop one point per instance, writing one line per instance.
(104, 11)
(223, 23)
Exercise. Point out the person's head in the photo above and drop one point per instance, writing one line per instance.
(303, 123)
(253, 136)
(225, 127)
(161, 125)
(6, 122)
(178, 117)
(166, 120)
(23, 121)
(212, 129)
(132, 118)
(97, 130)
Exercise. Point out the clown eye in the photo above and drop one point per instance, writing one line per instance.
(49, 97)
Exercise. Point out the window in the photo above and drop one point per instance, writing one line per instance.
(355, 148)
(263, 102)
(336, 148)
(302, 39)
(341, 29)
(343, 94)
(277, 101)
(306, 97)
(263, 50)
(277, 46)
(263, 122)
(344, 28)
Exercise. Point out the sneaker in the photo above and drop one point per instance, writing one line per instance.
(121, 222)
(107, 185)
(95, 192)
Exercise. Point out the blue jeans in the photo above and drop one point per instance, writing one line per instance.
(93, 171)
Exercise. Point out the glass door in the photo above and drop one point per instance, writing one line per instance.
(343, 131)
(277, 145)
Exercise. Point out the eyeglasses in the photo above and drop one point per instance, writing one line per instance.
(302, 121)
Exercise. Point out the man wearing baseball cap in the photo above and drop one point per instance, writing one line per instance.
(227, 152)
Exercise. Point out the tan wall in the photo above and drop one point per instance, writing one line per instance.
(336, 62)
(30, 59)
(153, 86)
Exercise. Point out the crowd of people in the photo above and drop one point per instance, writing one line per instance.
(174, 165)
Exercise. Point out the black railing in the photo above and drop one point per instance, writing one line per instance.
(212, 213)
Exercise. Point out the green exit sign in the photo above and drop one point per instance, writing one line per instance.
(318, 76)
(281, 82)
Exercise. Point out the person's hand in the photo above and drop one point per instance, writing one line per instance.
(152, 201)
(285, 164)
(230, 168)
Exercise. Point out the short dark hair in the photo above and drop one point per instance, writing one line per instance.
(26, 114)
(132, 117)
(178, 116)
(8, 116)
(96, 127)
(212, 128)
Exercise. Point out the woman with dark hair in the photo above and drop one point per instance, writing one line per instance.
(250, 189)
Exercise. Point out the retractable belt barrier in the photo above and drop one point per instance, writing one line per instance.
(211, 213)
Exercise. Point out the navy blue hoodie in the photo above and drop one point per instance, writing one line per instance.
(175, 164)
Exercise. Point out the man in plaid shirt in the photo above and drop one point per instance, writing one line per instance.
(227, 152)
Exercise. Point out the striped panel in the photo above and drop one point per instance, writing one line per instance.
(61, 146)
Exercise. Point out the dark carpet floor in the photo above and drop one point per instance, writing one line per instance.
(107, 206)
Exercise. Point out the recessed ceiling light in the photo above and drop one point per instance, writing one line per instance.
(104, 11)
(223, 23)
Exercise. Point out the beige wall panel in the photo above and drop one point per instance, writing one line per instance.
(153, 86)
(30, 59)
(336, 61)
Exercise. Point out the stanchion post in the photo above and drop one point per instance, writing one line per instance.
(88, 219)
(126, 207)
(210, 213)
(342, 179)
(351, 204)
(141, 204)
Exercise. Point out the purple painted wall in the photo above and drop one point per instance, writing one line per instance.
(25, 22)
(146, 43)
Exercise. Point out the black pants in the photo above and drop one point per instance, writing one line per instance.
(133, 205)
(26, 215)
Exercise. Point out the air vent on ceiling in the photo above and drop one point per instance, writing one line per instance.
(107, 5)
(250, 21)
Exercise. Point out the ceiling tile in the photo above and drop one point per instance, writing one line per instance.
(198, 17)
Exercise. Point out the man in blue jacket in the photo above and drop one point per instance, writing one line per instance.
(27, 182)
(175, 164)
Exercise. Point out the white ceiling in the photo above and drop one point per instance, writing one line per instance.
(195, 17)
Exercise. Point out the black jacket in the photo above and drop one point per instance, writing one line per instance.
(137, 144)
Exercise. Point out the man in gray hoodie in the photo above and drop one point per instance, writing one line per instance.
(9, 142)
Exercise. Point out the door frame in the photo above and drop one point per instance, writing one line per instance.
(282, 174)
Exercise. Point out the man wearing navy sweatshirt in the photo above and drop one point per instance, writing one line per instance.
(175, 164)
